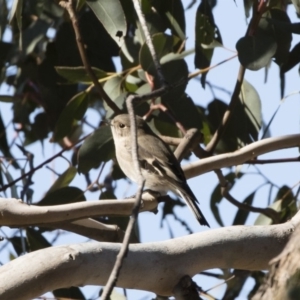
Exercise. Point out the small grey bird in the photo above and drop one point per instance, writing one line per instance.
(159, 167)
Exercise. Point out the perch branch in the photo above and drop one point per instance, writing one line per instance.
(228, 247)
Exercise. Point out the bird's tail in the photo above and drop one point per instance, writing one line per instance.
(192, 201)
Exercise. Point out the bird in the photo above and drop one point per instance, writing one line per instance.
(159, 167)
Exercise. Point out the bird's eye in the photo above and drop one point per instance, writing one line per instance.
(121, 125)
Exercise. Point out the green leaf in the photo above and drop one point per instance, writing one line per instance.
(176, 27)
(164, 126)
(97, 148)
(242, 215)
(163, 44)
(5, 51)
(74, 110)
(5, 149)
(17, 243)
(69, 293)
(40, 127)
(33, 34)
(207, 34)
(296, 4)
(255, 52)
(117, 173)
(216, 196)
(252, 106)
(186, 112)
(113, 88)
(107, 195)
(171, 12)
(64, 195)
(16, 12)
(247, 7)
(174, 71)
(215, 200)
(263, 219)
(79, 74)
(9, 178)
(293, 59)
(285, 203)
(64, 179)
(244, 126)
(36, 240)
(110, 13)
(282, 36)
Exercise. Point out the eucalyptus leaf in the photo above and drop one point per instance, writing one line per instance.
(110, 13)
(74, 110)
(63, 195)
(242, 215)
(255, 52)
(97, 148)
(79, 74)
(64, 179)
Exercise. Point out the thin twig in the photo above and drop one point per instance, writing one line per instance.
(149, 43)
(68, 5)
(269, 212)
(189, 141)
(4, 187)
(141, 182)
(205, 70)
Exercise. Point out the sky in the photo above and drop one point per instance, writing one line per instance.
(230, 18)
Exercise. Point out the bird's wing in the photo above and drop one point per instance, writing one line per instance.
(161, 162)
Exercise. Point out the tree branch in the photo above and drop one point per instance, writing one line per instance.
(148, 266)
(16, 213)
(242, 155)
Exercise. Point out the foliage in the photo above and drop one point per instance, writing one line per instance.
(53, 94)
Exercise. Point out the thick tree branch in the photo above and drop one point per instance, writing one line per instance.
(92, 229)
(282, 282)
(242, 155)
(148, 266)
(16, 213)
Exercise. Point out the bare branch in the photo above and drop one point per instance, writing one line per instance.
(282, 282)
(16, 213)
(189, 141)
(145, 263)
(242, 155)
